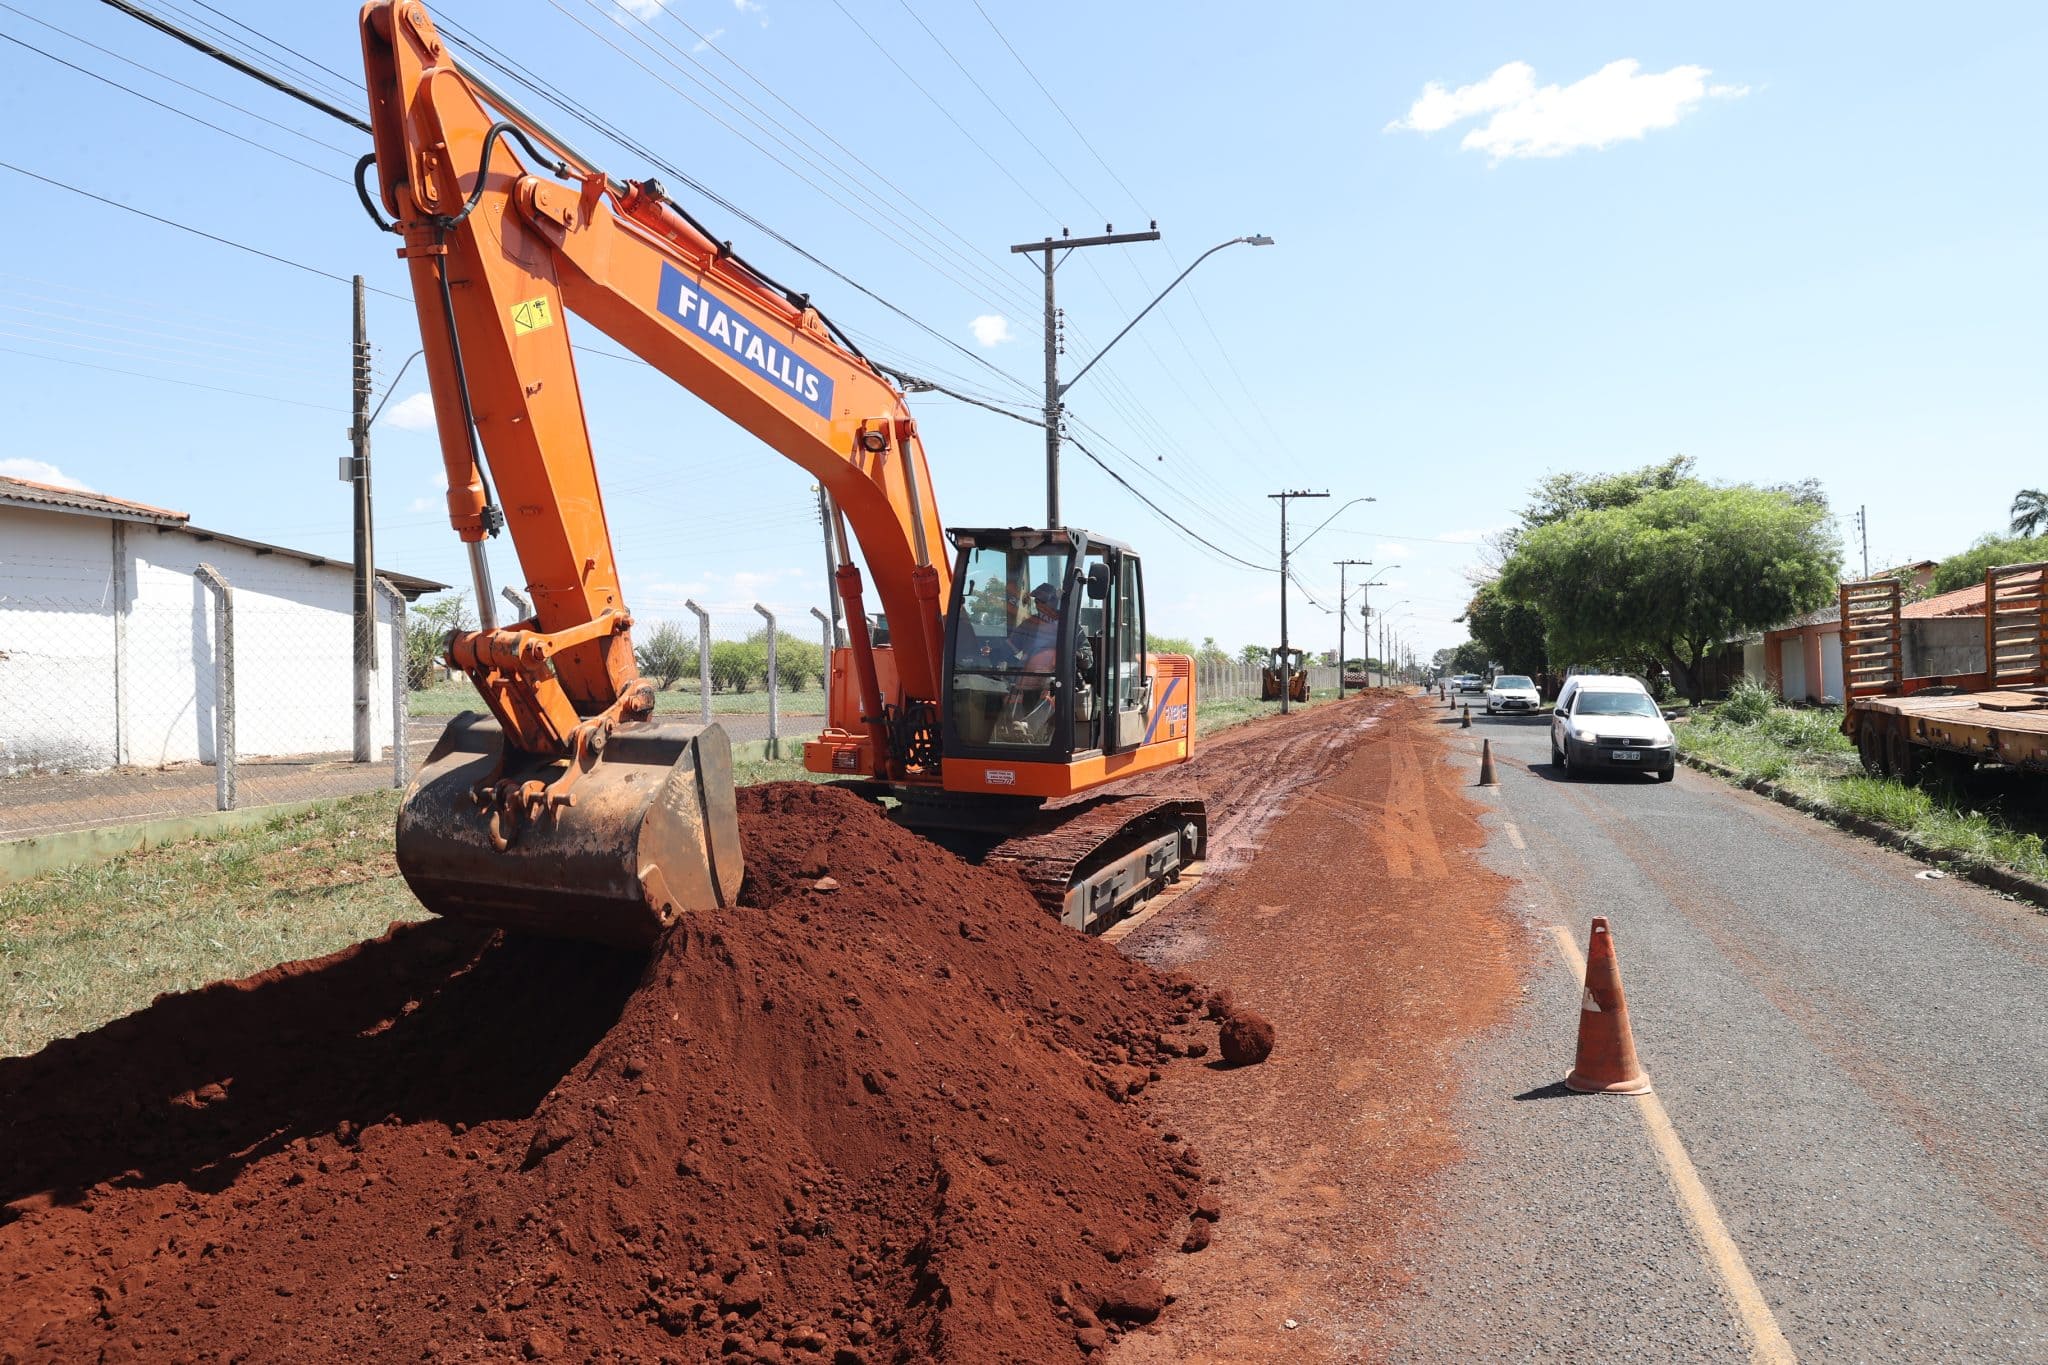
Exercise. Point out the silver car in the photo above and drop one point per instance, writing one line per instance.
(1611, 723)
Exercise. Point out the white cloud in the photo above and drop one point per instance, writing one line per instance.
(707, 40)
(41, 471)
(991, 329)
(1468, 537)
(1438, 108)
(414, 413)
(642, 9)
(754, 7)
(1618, 103)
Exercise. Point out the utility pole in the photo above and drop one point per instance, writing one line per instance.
(1342, 599)
(1053, 406)
(365, 582)
(1863, 530)
(1284, 657)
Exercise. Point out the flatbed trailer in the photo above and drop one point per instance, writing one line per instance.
(1902, 726)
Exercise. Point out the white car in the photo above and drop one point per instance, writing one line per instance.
(1513, 692)
(1610, 723)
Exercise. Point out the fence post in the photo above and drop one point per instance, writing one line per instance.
(223, 685)
(703, 658)
(401, 696)
(774, 736)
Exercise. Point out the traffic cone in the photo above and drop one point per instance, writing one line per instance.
(1486, 773)
(1466, 723)
(1607, 1050)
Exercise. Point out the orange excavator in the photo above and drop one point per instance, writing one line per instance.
(996, 691)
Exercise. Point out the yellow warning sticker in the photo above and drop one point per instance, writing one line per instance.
(531, 316)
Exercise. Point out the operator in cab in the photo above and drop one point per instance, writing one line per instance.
(1037, 637)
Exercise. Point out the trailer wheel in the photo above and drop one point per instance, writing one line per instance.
(1905, 757)
(1870, 748)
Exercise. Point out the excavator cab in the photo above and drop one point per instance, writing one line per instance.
(1045, 647)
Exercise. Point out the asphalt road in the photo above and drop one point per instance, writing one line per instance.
(1854, 1058)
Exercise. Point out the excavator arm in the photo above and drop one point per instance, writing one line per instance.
(497, 254)
(551, 816)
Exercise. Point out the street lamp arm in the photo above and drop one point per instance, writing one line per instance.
(1253, 241)
(1332, 517)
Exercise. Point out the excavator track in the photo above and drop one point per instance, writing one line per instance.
(1091, 863)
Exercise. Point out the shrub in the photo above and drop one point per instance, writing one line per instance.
(1747, 704)
(668, 655)
(738, 665)
(427, 625)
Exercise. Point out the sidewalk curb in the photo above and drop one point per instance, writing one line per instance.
(1984, 874)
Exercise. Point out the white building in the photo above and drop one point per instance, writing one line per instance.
(107, 648)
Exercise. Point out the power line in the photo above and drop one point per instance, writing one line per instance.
(172, 108)
(182, 85)
(890, 57)
(166, 379)
(1057, 106)
(983, 92)
(199, 44)
(196, 232)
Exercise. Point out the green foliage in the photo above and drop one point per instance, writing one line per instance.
(797, 662)
(1255, 656)
(1211, 652)
(1168, 644)
(1673, 572)
(427, 625)
(668, 655)
(738, 665)
(1511, 632)
(1470, 657)
(2029, 512)
(1747, 704)
(1987, 552)
(1566, 495)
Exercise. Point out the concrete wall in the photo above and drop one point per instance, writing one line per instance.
(1942, 646)
(107, 648)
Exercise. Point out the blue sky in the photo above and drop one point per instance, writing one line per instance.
(1512, 239)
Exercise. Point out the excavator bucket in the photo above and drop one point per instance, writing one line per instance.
(651, 832)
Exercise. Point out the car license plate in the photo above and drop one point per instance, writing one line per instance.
(1627, 755)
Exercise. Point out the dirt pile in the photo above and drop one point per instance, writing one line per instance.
(880, 1113)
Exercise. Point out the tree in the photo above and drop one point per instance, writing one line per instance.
(1987, 552)
(1512, 632)
(1253, 656)
(1469, 657)
(1566, 495)
(2029, 512)
(1168, 644)
(1674, 573)
(427, 627)
(668, 655)
(1211, 652)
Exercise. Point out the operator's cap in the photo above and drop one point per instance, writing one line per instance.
(1046, 595)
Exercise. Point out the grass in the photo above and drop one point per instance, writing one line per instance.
(1212, 717)
(1992, 818)
(453, 698)
(87, 944)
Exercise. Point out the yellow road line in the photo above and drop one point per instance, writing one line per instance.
(1766, 1342)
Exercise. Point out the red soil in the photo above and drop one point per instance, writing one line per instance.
(885, 1121)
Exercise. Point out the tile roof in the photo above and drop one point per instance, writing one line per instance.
(27, 492)
(1962, 602)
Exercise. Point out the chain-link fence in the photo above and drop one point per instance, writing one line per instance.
(1225, 680)
(756, 669)
(177, 692)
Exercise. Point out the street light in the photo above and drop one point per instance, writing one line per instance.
(1255, 240)
(1054, 389)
